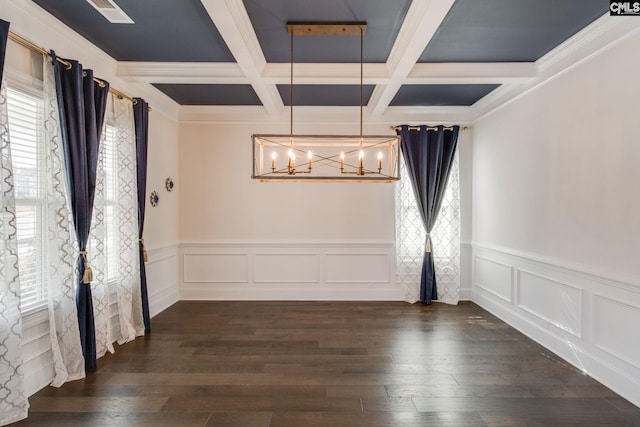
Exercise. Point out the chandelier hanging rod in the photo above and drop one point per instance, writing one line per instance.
(428, 128)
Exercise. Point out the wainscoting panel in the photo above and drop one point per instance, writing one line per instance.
(288, 271)
(215, 268)
(589, 318)
(615, 329)
(557, 303)
(286, 268)
(358, 268)
(494, 277)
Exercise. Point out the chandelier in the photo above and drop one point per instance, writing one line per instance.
(370, 158)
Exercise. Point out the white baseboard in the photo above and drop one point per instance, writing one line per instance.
(163, 299)
(291, 293)
(588, 318)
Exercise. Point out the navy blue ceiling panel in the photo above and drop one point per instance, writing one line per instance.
(508, 30)
(164, 30)
(209, 94)
(383, 17)
(325, 95)
(440, 95)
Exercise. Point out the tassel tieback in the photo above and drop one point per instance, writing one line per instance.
(87, 277)
(427, 246)
(145, 257)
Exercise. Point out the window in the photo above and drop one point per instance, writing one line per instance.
(25, 114)
(445, 237)
(110, 214)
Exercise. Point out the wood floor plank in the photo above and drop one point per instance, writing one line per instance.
(306, 364)
(116, 419)
(96, 404)
(239, 419)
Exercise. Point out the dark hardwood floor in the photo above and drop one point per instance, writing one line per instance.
(336, 364)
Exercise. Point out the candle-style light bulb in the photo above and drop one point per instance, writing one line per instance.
(273, 160)
(361, 158)
(341, 161)
(310, 157)
(379, 161)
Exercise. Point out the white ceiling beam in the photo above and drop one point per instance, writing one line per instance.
(422, 20)
(182, 72)
(231, 19)
(307, 73)
(472, 73)
(326, 115)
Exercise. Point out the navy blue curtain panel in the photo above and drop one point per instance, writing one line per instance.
(428, 154)
(141, 119)
(82, 104)
(4, 35)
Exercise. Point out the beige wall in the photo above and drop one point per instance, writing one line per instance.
(161, 222)
(220, 201)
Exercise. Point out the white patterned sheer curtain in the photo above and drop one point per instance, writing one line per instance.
(445, 239)
(114, 233)
(61, 250)
(13, 401)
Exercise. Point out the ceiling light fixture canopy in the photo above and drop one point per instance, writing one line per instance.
(328, 157)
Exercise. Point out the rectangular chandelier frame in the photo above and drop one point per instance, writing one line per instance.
(326, 158)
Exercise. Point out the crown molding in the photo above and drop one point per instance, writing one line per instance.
(601, 35)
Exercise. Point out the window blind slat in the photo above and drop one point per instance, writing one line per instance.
(25, 131)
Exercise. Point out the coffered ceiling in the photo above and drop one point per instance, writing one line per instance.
(417, 53)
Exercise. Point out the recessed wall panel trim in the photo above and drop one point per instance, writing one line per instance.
(357, 268)
(615, 328)
(493, 277)
(286, 268)
(215, 267)
(557, 303)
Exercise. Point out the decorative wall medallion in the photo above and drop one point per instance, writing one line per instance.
(154, 199)
(168, 184)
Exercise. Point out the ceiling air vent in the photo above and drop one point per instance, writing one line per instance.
(111, 11)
